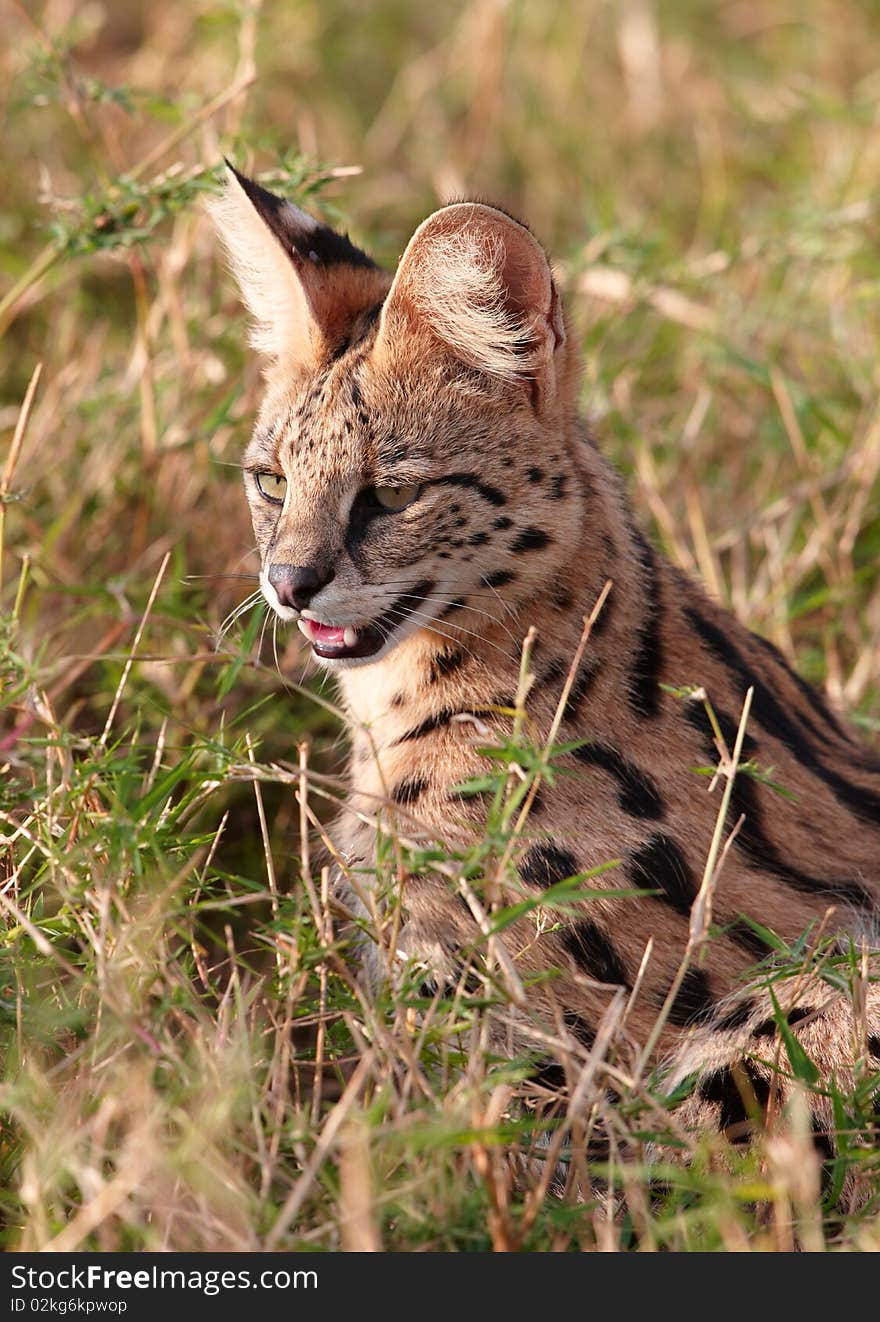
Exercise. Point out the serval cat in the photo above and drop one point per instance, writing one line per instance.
(423, 494)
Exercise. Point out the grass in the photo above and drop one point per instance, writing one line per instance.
(188, 1062)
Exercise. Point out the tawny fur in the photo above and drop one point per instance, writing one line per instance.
(462, 380)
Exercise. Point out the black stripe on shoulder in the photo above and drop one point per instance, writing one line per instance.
(638, 795)
(772, 717)
(661, 864)
(816, 704)
(644, 687)
(695, 714)
(595, 953)
(752, 841)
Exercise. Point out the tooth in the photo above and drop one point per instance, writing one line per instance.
(349, 636)
(303, 626)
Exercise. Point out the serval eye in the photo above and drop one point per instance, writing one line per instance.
(395, 498)
(273, 486)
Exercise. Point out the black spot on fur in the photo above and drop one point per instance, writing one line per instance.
(594, 951)
(550, 1075)
(431, 723)
(824, 1145)
(746, 938)
(535, 474)
(726, 1088)
(530, 539)
(499, 579)
(738, 1017)
(694, 1001)
(502, 522)
(583, 680)
(506, 700)
(562, 599)
(453, 606)
(579, 1028)
(557, 486)
(445, 664)
(554, 671)
(637, 793)
(874, 1046)
(767, 1027)
(720, 1089)
(545, 864)
(478, 539)
(471, 482)
(661, 864)
(408, 791)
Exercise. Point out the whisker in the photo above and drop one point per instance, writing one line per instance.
(263, 634)
(432, 624)
(476, 610)
(241, 609)
(193, 578)
(468, 592)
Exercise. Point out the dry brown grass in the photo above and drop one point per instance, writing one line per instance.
(707, 177)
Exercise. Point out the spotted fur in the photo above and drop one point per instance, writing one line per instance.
(456, 376)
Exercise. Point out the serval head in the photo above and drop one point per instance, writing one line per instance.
(407, 463)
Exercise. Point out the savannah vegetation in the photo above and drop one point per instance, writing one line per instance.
(187, 1059)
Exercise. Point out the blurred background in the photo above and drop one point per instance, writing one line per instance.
(705, 176)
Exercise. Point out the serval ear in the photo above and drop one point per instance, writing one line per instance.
(480, 284)
(305, 285)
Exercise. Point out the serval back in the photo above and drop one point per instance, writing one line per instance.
(424, 493)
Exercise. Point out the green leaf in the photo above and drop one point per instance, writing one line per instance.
(801, 1065)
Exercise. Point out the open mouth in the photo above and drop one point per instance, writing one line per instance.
(349, 642)
(333, 642)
